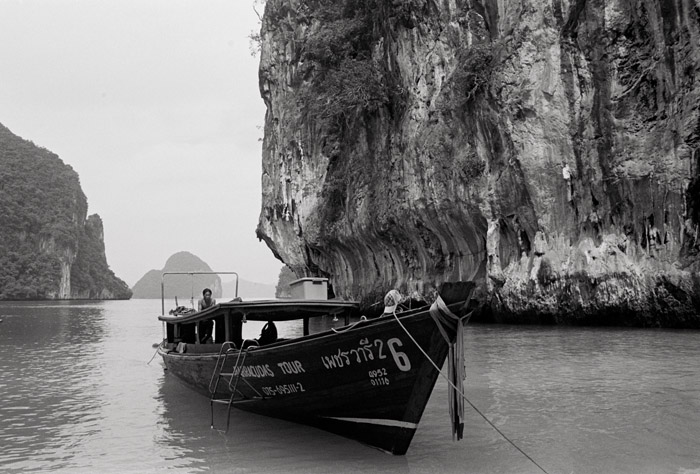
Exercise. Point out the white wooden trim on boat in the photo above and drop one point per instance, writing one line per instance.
(377, 421)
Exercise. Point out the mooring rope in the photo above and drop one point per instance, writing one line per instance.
(347, 328)
(462, 393)
(154, 355)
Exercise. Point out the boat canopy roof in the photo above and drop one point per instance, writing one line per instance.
(268, 310)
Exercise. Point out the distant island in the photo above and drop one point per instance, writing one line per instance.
(186, 287)
(49, 247)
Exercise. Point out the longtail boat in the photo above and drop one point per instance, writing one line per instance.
(368, 380)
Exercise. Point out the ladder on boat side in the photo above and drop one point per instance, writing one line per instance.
(229, 348)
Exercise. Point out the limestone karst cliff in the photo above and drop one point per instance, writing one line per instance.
(49, 248)
(547, 149)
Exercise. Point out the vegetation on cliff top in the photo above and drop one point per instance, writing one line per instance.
(337, 54)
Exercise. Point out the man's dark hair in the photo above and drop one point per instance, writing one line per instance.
(204, 292)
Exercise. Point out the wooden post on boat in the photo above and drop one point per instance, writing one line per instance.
(236, 334)
(306, 326)
(227, 326)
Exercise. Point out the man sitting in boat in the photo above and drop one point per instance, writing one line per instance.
(268, 334)
(206, 327)
(206, 301)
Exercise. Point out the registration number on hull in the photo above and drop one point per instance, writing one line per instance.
(283, 389)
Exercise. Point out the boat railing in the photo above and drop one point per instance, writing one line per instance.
(192, 274)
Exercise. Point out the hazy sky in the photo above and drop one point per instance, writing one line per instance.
(155, 104)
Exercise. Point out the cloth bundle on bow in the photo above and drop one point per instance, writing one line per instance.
(451, 327)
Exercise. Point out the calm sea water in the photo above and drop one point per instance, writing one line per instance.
(77, 395)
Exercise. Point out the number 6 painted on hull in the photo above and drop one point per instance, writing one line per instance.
(401, 359)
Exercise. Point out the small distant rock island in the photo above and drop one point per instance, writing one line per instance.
(49, 247)
(187, 287)
(182, 286)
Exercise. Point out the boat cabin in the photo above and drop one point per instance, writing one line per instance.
(224, 321)
(206, 330)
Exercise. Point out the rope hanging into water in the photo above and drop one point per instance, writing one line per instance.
(441, 314)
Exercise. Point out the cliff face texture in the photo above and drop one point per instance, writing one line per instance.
(547, 149)
(49, 249)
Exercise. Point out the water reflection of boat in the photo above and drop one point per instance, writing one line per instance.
(368, 381)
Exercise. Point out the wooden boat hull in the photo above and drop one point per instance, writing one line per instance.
(369, 382)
